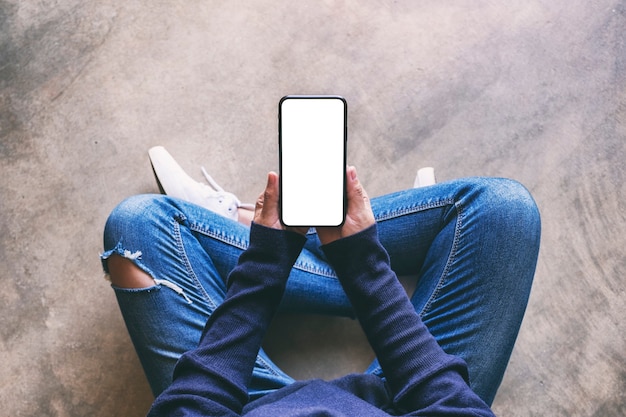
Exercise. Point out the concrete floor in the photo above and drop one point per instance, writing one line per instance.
(534, 91)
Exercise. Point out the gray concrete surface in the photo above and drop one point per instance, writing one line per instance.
(534, 91)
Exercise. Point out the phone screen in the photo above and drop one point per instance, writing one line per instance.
(312, 141)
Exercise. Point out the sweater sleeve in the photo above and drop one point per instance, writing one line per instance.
(212, 380)
(424, 379)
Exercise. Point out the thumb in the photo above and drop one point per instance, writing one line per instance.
(270, 195)
(358, 199)
(360, 215)
(266, 208)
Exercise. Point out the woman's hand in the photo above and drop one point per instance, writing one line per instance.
(359, 215)
(266, 207)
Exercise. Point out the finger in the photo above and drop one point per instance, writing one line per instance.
(258, 206)
(268, 199)
(357, 196)
(266, 195)
(270, 196)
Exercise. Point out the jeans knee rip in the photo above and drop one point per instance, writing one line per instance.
(135, 257)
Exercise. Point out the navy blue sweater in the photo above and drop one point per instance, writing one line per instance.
(420, 379)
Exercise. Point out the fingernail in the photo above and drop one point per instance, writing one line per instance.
(352, 171)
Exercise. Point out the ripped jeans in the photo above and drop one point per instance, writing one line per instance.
(471, 244)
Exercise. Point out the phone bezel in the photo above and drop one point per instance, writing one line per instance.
(344, 156)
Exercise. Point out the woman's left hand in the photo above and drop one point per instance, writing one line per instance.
(266, 208)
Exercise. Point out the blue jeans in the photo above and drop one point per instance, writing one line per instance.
(472, 245)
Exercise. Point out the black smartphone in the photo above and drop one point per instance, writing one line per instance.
(312, 137)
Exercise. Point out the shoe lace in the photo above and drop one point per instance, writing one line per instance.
(221, 193)
(211, 181)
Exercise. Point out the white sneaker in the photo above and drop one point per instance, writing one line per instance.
(425, 177)
(174, 181)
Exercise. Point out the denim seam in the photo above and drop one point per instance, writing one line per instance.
(243, 245)
(267, 366)
(240, 244)
(183, 254)
(325, 273)
(451, 258)
(413, 209)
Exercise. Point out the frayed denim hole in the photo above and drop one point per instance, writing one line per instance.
(133, 256)
(158, 286)
(152, 288)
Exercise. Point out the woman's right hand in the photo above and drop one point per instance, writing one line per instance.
(359, 215)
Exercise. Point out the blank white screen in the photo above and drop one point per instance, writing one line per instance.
(312, 161)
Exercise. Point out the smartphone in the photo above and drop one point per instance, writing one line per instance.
(312, 137)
